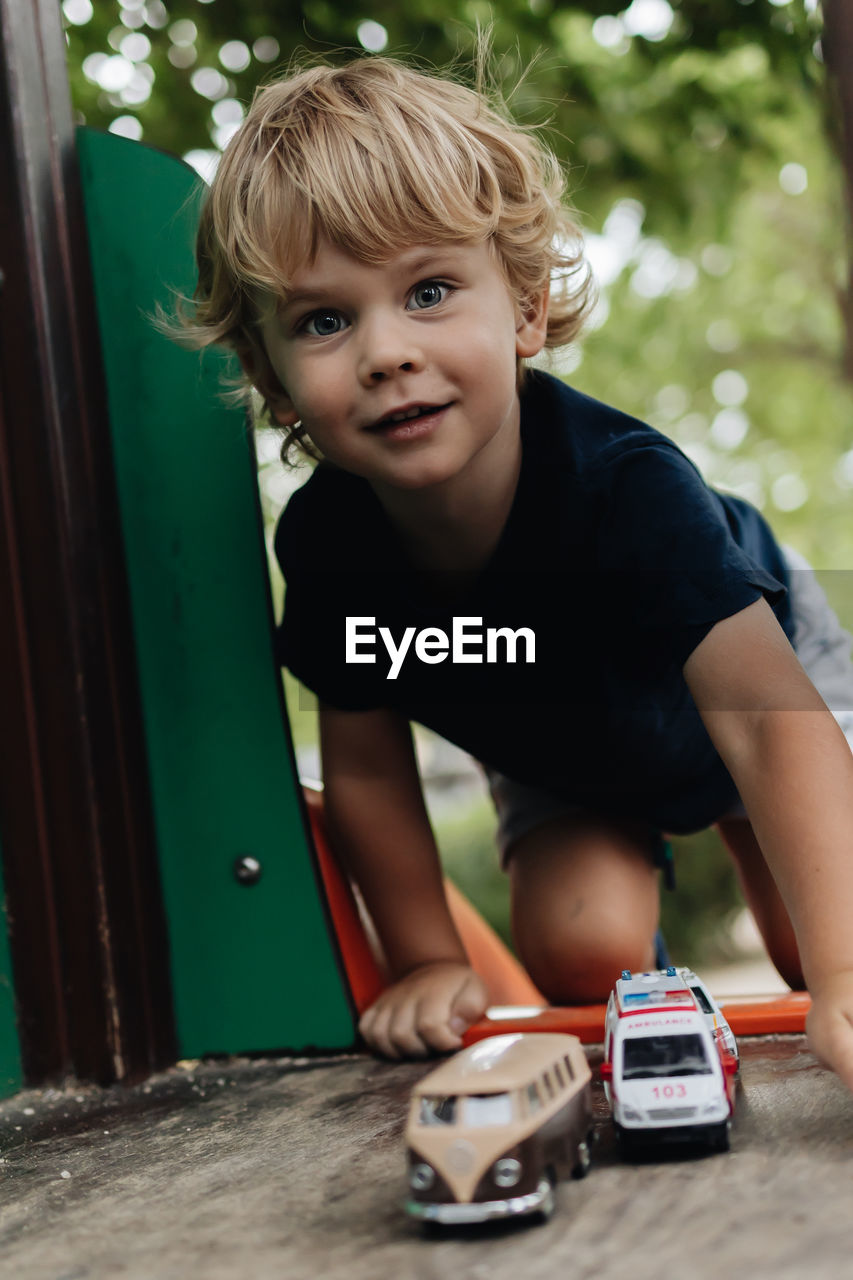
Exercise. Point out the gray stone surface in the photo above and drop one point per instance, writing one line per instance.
(293, 1168)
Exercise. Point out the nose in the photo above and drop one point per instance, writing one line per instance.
(388, 345)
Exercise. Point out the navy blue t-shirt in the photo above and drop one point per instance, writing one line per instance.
(616, 556)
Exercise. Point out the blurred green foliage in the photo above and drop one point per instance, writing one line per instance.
(700, 145)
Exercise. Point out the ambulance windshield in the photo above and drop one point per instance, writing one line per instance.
(648, 1056)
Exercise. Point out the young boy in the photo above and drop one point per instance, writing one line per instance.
(541, 579)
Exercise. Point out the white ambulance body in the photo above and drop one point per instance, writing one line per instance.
(667, 1071)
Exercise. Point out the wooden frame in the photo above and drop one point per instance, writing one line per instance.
(87, 935)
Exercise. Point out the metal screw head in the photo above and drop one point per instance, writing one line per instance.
(247, 870)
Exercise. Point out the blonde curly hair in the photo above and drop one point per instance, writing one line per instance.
(374, 156)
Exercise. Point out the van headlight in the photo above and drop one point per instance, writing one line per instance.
(506, 1172)
(628, 1113)
(421, 1176)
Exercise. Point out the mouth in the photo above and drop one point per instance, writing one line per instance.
(403, 421)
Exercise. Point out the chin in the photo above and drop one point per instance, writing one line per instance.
(426, 477)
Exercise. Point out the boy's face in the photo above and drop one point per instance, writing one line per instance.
(405, 372)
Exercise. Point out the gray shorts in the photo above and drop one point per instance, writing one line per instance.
(822, 646)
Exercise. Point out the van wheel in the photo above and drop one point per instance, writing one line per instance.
(584, 1160)
(549, 1204)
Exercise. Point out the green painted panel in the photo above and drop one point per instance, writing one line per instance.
(11, 1078)
(253, 968)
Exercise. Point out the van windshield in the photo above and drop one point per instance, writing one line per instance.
(437, 1111)
(646, 1056)
(481, 1110)
(475, 1110)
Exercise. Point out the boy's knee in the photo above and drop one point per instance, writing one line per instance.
(570, 966)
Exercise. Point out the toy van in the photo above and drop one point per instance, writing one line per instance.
(492, 1129)
(667, 1072)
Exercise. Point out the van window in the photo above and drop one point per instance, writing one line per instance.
(648, 1056)
(569, 1067)
(559, 1076)
(437, 1111)
(534, 1102)
(480, 1110)
(549, 1084)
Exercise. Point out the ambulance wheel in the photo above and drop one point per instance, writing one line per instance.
(719, 1136)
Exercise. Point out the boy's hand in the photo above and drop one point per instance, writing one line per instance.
(829, 1025)
(426, 1011)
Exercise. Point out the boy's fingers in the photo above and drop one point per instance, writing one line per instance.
(831, 1040)
(434, 1023)
(404, 1033)
(414, 1019)
(374, 1027)
(389, 1029)
(469, 1004)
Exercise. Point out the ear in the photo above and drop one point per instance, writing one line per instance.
(532, 327)
(260, 373)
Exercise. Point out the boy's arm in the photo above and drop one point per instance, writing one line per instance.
(378, 821)
(794, 771)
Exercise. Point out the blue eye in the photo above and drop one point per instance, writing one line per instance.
(322, 324)
(428, 294)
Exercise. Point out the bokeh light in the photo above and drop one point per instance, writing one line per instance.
(156, 14)
(793, 179)
(371, 36)
(730, 388)
(844, 471)
(135, 46)
(133, 19)
(789, 491)
(716, 259)
(729, 428)
(227, 111)
(113, 74)
(266, 49)
(78, 12)
(183, 32)
(182, 55)
(671, 402)
(609, 32)
(127, 127)
(722, 336)
(204, 162)
(650, 19)
(235, 56)
(209, 82)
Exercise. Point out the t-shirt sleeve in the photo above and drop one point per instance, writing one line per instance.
(310, 639)
(671, 564)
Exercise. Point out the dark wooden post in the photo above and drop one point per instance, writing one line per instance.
(87, 935)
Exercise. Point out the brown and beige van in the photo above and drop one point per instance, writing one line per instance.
(492, 1129)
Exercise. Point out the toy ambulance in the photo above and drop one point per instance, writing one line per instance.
(668, 1072)
(714, 1015)
(492, 1129)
